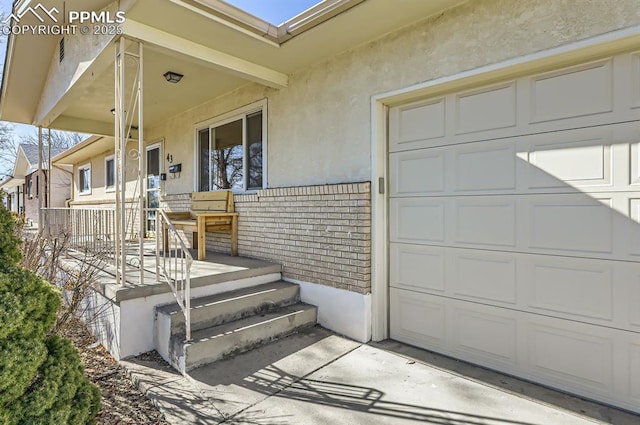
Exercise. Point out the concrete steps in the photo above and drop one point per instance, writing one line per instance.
(231, 322)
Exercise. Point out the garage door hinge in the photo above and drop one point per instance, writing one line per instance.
(381, 185)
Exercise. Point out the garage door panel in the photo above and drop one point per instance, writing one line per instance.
(576, 223)
(484, 277)
(635, 79)
(488, 108)
(576, 158)
(417, 125)
(571, 357)
(571, 161)
(572, 287)
(418, 318)
(631, 228)
(417, 173)
(572, 92)
(577, 289)
(485, 167)
(634, 368)
(490, 336)
(419, 268)
(634, 147)
(488, 221)
(632, 300)
(417, 220)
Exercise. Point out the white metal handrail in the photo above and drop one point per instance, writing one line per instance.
(175, 266)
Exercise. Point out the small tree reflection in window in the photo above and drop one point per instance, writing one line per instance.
(226, 157)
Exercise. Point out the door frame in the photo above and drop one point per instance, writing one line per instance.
(157, 144)
(593, 48)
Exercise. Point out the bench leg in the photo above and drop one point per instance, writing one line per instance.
(234, 235)
(202, 240)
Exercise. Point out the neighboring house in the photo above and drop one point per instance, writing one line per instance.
(23, 187)
(459, 176)
(93, 183)
(13, 194)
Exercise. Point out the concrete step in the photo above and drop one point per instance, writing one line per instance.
(228, 306)
(218, 342)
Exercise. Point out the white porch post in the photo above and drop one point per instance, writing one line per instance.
(120, 145)
(49, 170)
(142, 164)
(39, 188)
(123, 125)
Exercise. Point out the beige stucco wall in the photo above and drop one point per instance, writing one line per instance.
(99, 193)
(80, 52)
(319, 126)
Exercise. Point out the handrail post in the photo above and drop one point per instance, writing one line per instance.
(158, 223)
(177, 277)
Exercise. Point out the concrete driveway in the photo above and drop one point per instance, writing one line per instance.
(316, 377)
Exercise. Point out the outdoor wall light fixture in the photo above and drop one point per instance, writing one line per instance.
(173, 77)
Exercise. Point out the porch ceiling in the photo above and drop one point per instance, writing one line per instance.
(161, 99)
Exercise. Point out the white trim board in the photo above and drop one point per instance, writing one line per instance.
(581, 51)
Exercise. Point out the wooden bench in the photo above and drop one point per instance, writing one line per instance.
(210, 212)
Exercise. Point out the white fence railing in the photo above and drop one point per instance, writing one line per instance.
(87, 229)
(174, 267)
(93, 230)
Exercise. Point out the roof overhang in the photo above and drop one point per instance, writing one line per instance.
(11, 183)
(217, 47)
(88, 148)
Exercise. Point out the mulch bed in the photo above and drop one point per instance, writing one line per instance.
(122, 402)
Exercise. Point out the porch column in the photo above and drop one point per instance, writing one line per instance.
(123, 126)
(38, 178)
(120, 155)
(142, 163)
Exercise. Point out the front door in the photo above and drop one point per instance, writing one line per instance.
(152, 187)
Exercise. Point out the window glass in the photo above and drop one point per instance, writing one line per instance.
(203, 160)
(110, 166)
(84, 177)
(225, 150)
(254, 151)
(226, 156)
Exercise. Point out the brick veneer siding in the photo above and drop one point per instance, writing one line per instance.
(319, 234)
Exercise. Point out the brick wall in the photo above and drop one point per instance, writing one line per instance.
(320, 234)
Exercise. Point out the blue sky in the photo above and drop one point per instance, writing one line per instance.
(274, 11)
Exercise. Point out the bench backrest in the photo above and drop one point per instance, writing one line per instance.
(216, 201)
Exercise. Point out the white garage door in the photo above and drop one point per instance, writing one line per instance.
(514, 232)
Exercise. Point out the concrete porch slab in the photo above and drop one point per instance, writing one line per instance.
(216, 268)
(316, 377)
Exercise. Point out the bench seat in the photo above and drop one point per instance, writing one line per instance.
(210, 212)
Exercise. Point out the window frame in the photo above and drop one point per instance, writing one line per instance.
(80, 170)
(235, 115)
(30, 188)
(108, 188)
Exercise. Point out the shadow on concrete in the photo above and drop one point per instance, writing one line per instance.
(245, 389)
(512, 385)
(282, 369)
(273, 380)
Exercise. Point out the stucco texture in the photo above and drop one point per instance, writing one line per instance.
(319, 127)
